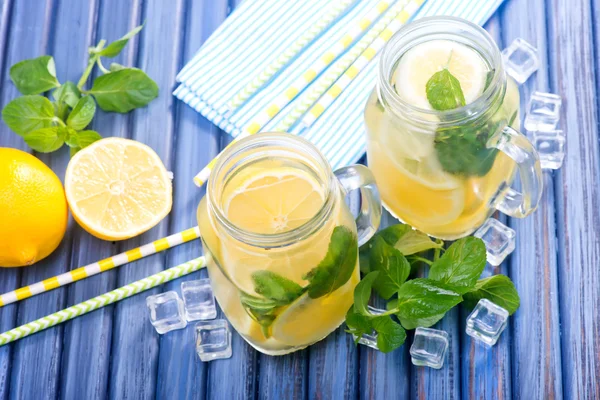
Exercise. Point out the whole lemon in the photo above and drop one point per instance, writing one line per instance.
(33, 209)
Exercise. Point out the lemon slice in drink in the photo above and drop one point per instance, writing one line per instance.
(419, 64)
(117, 188)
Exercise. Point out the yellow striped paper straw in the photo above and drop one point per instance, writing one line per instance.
(305, 79)
(350, 66)
(105, 299)
(100, 266)
(288, 54)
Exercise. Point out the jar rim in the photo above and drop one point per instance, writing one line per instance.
(436, 26)
(232, 159)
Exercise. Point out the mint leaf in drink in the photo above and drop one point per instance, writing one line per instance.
(67, 93)
(276, 287)
(261, 310)
(28, 113)
(46, 140)
(488, 78)
(392, 266)
(358, 324)
(498, 289)
(337, 266)
(444, 92)
(35, 75)
(390, 334)
(114, 49)
(124, 90)
(362, 293)
(82, 113)
(80, 140)
(402, 237)
(423, 302)
(461, 265)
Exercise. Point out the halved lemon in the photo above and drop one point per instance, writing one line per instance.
(419, 64)
(117, 188)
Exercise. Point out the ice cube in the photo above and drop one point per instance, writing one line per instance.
(550, 147)
(520, 60)
(543, 112)
(213, 340)
(166, 312)
(198, 300)
(486, 322)
(498, 238)
(367, 339)
(429, 347)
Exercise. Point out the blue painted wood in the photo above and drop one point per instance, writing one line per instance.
(573, 72)
(116, 353)
(87, 376)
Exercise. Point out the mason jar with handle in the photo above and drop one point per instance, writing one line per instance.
(280, 242)
(442, 128)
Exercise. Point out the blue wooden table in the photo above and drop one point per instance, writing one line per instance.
(551, 348)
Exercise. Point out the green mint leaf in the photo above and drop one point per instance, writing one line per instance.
(390, 334)
(46, 140)
(488, 79)
(392, 266)
(114, 48)
(461, 265)
(67, 93)
(362, 293)
(28, 113)
(402, 237)
(117, 67)
(82, 113)
(463, 150)
(444, 91)
(80, 140)
(276, 287)
(423, 302)
(513, 117)
(263, 311)
(124, 90)
(358, 324)
(337, 266)
(498, 289)
(35, 75)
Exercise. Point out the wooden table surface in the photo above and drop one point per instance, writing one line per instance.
(551, 348)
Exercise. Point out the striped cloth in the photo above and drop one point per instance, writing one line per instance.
(257, 32)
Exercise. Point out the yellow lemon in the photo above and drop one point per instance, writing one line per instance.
(33, 209)
(118, 188)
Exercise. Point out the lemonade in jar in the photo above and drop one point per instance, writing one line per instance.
(442, 126)
(280, 242)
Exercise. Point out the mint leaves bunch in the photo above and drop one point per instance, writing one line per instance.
(462, 149)
(388, 260)
(46, 125)
(278, 292)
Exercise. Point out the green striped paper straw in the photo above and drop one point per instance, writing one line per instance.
(287, 55)
(100, 301)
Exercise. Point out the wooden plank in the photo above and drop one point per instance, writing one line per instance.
(181, 374)
(485, 373)
(87, 340)
(135, 346)
(34, 370)
(385, 376)
(536, 355)
(573, 71)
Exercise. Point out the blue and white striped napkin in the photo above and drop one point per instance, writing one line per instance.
(260, 30)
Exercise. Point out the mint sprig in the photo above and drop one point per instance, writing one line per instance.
(422, 302)
(444, 91)
(46, 125)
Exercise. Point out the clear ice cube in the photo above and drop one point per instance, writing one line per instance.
(498, 238)
(198, 300)
(550, 147)
(166, 312)
(213, 340)
(520, 60)
(370, 340)
(543, 112)
(486, 322)
(429, 348)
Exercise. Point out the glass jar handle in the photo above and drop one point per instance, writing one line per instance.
(360, 177)
(515, 145)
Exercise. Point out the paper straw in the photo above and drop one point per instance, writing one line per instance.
(100, 301)
(305, 79)
(349, 67)
(254, 85)
(100, 266)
